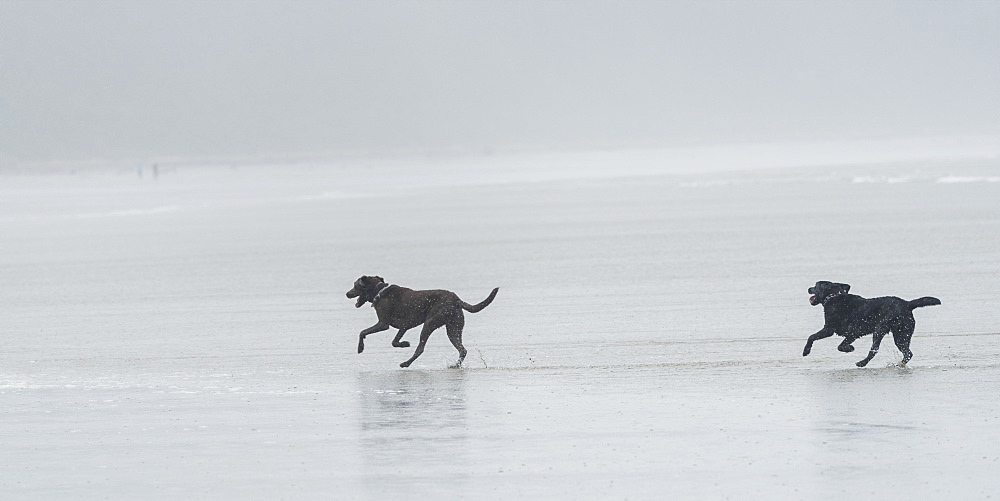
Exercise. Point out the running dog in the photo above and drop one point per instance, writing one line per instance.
(405, 309)
(853, 316)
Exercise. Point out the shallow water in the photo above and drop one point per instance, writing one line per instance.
(189, 336)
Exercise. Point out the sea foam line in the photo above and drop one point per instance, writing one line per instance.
(130, 212)
(968, 179)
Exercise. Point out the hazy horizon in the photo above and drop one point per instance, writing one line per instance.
(113, 80)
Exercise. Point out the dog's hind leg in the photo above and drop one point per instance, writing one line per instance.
(396, 340)
(379, 327)
(425, 333)
(901, 335)
(876, 340)
(455, 336)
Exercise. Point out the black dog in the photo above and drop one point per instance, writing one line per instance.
(853, 316)
(405, 309)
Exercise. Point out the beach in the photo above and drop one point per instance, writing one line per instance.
(188, 336)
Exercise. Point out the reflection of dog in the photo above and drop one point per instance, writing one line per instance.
(853, 316)
(405, 309)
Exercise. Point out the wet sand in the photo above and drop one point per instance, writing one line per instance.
(189, 337)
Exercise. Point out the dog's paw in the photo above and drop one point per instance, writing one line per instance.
(846, 348)
(805, 352)
(404, 364)
(862, 363)
(402, 344)
(361, 346)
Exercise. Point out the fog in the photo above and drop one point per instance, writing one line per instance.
(145, 80)
(188, 190)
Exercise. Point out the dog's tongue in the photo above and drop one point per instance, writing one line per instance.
(361, 301)
(812, 299)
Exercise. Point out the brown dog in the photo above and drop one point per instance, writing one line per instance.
(405, 309)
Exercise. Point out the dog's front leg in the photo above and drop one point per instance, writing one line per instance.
(825, 332)
(876, 340)
(379, 327)
(396, 340)
(847, 345)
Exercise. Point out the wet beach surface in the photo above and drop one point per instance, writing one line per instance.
(189, 337)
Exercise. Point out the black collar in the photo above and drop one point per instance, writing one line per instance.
(827, 298)
(378, 294)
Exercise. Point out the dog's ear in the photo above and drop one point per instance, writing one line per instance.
(380, 279)
(846, 287)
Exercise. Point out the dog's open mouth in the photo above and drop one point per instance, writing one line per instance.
(813, 300)
(353, 293)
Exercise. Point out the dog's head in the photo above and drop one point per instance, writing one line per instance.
(824, 290)
(364, 289)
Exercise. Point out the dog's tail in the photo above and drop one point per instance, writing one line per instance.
(924, 301)
(475, 308)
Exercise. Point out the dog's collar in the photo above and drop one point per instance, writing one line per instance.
(827, 298)
(379, 293)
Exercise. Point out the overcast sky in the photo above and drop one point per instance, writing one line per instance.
(145, 79)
